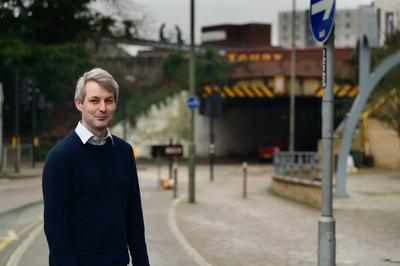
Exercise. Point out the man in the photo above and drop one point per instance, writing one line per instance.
(92, 205)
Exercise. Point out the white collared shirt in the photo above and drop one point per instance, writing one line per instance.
(86, 136)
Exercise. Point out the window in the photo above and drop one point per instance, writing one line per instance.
(285, 17)
(284, 27)
(297, 37)
(347, 25)
(284, 38)
(347, 36)
(347, 14)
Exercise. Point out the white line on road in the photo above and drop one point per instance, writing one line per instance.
(179, 236)
(19, 252)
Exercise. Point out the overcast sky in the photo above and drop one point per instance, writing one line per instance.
(214, 12)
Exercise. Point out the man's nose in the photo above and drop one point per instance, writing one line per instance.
(102, 107)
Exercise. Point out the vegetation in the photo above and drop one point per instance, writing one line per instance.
(49, 42)
(210, 68)
(389, 113)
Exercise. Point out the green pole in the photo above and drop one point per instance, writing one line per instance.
(192, 146)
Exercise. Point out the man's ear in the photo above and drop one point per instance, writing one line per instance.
(78, 105)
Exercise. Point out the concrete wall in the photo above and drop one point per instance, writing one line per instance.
(384, 145)
(294, 189)
(158, 125)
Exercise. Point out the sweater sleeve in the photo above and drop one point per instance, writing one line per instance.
(135, 230)
(56, 185)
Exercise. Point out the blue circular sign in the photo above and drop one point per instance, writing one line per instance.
(322, 15)
(193, 102)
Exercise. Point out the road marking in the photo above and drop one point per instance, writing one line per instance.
(19, 252)
(28, 220)
(179, 236)
(10, 235)
(14, 236)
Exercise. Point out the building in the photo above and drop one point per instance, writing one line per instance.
(345, 29)
(389, 12)
(237, 36)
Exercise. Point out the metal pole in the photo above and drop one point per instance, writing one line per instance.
(170, 159)
(292, 79)
(16, 153)
(326, 223)
(175, 166)
(192, 146)
(124, 116)
(244, 165)
(211, 154)
(159, 167)
(33, 124)
(1, 126)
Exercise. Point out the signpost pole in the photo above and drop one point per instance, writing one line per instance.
(192, 146)
(326, 223)
(211, 146)
(322, 17)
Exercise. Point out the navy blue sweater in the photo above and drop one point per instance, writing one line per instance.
(92, 205)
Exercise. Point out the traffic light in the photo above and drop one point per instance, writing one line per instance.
(212, 105)
(24, 92)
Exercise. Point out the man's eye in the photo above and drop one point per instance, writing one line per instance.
(93, 101)
(109, 101)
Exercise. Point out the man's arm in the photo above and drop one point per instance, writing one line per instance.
(57, 199)
(136, 234)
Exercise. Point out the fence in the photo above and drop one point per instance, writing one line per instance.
(25, 153)
(299, 164)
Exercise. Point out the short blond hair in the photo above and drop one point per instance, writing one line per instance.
(99, 76)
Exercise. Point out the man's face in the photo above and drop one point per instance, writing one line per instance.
(97, 108)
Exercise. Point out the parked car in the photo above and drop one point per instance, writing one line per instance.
(267, 152)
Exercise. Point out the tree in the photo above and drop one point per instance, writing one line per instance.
(210, 67)
(49, 41)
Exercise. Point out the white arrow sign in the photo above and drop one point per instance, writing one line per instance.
(11, 235)
(323, 5)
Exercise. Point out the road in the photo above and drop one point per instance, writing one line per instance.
(222, 228)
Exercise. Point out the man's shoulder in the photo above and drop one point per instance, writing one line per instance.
(69, 143)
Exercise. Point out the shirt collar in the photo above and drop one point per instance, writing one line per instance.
(84, 134)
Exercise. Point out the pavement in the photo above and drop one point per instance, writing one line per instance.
(223, 228)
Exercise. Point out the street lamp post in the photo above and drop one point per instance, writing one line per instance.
(192, 146)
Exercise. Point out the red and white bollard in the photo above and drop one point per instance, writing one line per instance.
(244, 165)
(367, 148)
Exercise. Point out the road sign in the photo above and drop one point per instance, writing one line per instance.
(279, 84)
(193, 102)
(322, 14)
(173, 150)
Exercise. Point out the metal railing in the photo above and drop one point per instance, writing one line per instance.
(297, 164)
(25, 154)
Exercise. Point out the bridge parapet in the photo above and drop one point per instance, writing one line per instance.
(297, 177)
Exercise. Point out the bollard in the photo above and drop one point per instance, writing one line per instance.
(175, 168)
(159, 168)
(244, 179)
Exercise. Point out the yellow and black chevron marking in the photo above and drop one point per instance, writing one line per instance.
(340, 91)
(241, 92)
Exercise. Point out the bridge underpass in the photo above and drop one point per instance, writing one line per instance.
(247, 122)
